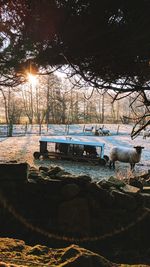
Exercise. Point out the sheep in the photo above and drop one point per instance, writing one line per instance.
(90, 150)
(62, 148)
(124, 154)
(146, 133)
(89, 129)
(69, 149)
(103, 131)
(77, 150)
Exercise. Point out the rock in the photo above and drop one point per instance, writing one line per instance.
(34, 176)
(53, 186)
(145, 175)
(43, 168)
(112, 182)
(32, 168)
(75, 209)
(84, 178)
(43, 174)
(32, 181)
(54, 170)
(70, 191)
(146, 189)
(146, 198)
(104, 184)
(122, 200)
(136, 183)
(116, 182)
(130, 189)
(61, 174)
(146, 182)
(67, 177)
(14, 172)
(106, 198)
(11, 161)
(93, 188)
(71, 178)
(34, 173)
(74, 217)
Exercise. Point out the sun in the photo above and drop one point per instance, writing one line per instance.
(32, 79)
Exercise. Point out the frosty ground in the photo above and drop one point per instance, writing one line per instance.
(21, 149)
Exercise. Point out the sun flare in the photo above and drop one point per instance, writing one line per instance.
(32, 79)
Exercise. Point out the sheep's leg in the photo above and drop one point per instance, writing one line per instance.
(132, 166)
(112, 164)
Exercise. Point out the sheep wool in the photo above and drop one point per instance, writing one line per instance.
(129, 155)
(146, 133)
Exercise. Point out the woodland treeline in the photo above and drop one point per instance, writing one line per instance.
(54, 100)
(103, 43)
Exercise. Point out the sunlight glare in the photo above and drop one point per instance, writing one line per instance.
(32, 79)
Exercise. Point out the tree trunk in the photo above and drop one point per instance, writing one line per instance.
(10, 128)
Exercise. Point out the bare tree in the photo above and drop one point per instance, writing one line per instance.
(27, 95)
(12, 107)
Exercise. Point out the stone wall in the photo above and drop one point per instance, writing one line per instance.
(56, 208)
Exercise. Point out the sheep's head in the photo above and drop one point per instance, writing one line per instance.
(139, 149)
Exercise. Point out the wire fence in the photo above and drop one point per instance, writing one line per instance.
(59, 129)
(34, 129)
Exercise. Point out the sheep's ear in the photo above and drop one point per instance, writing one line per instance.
(142, 147)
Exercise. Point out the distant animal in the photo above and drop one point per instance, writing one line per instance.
(124, 154)
(90, 150)
(146, 133)
(61, 147)
(96, 132)
(103, 131)
(89, 129)
(76, 149)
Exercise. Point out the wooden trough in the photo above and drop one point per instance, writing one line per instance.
(69, 153)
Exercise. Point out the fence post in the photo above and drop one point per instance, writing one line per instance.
(118, 129)
(26, 127)
(68, 129)
(65, 128)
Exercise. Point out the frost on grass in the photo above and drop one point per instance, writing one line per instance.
(22, 148)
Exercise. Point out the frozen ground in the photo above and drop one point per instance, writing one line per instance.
(22, 148)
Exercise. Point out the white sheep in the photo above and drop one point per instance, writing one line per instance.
(124, 154)
(103, 131)
(89, 129)
(146, 133)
